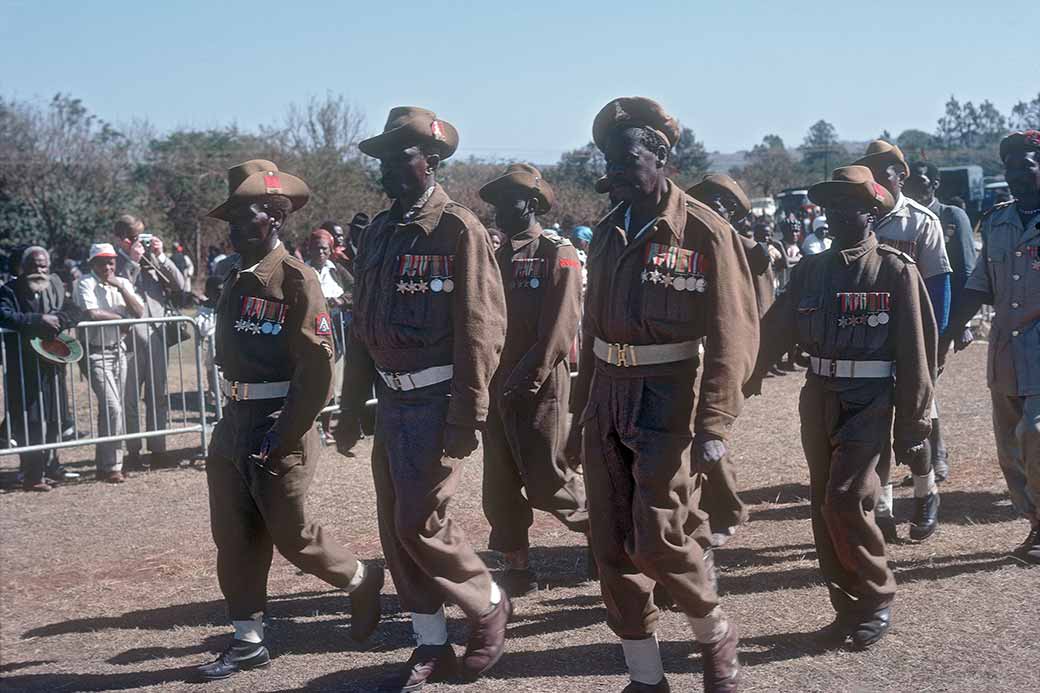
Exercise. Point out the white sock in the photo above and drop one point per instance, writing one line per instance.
(496, 593)
(251, 630)
(430, 629)
(643, 658)
(359, 576)
(711, 628)
(884, 502)
(925, 484)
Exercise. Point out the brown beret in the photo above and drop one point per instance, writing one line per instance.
(524, 180)
(256, 179)
(409, 126)
(1026, 141)
(881, 153)
(634, 111)
(855, 182)
(719, 183)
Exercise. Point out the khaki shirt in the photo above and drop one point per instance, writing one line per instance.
(867, 303)
(541, 274)
(632, 298)
(915, 230)
(1009, 272)
(273, 325)
(427, 293)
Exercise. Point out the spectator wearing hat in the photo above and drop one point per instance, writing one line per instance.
(34, 308)
(429, 323)
(182, 261)
(104, 295)
(862, 312)
(665, 272)
(1007, 277)
(817, 241)
(339, 253)
(915, 230)
(524, 463)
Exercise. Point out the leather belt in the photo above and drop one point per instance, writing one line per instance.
(239, 392)
(404, 382)
(625, 355)
(836, 368)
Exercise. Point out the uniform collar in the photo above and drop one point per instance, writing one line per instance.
(429, 215)
(901, 208)
(525, 237)
(265, 268)
(672, 212)
(851, 255)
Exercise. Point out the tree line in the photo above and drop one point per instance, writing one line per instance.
(66, 174)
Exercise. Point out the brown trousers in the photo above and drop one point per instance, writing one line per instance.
(636, 445)
(254, 509)
(427, 553)
(719, 499)
(1016, 425)
(843, 433)
(523, 452)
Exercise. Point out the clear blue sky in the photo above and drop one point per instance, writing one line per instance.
(524, 79)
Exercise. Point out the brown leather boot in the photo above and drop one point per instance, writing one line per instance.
(487, 640)
(428, 663)
(721, 664)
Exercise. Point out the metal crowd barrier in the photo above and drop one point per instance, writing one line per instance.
(67, 412)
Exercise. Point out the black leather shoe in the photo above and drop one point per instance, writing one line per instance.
(428, 663)
(838, 631)
(1029, 550)
(637, 687)
(721, 664)
(239, 656)
(887, 525)
(365, 606)
(517, 582)
(941, 469)
(871, 628)
(926, 517)
(591, 567)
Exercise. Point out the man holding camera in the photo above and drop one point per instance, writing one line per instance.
(156, 279)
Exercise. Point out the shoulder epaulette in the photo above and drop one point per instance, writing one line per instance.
(882, 248)
(556, 239)
(999, 205)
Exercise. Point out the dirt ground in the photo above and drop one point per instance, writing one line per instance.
(114, 587)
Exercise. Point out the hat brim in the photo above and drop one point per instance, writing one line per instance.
(828, 192)
(519, 184)
(873, 161)
(708, 186)
(60, 351)
(404, 136)
(253, 188)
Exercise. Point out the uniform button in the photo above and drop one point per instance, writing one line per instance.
(1016, 277)
(1014, 333)
(1014, 304)
(1018, 253)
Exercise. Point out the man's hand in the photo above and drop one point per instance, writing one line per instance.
(517, 393)
(156, 246)
(707, 452)
(347, 433)
(136, 251)
(753, 387)
(963, 340)
(459, 441)
(572, 451)
(269, 444)
(51, 324)
(915, 454)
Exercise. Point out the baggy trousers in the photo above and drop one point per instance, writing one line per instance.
(106, 368)
(253, 509)
(843, 431)
(524, 452)
(1016, 425)
(636, 444)
(146, 368)
(427, 553)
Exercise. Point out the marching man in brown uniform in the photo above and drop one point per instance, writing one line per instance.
(861, 311)
(429, 322)
(527, 423)
(274, 349)
(664, 271)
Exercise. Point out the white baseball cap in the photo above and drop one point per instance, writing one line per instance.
(101, 250)
(819, 222)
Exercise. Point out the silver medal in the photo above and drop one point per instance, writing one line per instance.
(275, 329)
(702, 285)
(679, 283)
(872, 321)
(436, 285)
(266, 328)
(882, 318)
(534, 282)
(449, 286)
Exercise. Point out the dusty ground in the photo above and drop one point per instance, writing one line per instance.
(114, 588)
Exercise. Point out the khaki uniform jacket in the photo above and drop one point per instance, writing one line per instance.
(273, 325)
(915, 230)
(543, 313)
(811, 314)
(1009, 272)
(402, 325)
(761, 266)
(630, 300)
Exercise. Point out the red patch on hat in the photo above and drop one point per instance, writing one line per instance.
(272, 183)
(437, 129)
(879, 192)
(322, 325)
(564, 262)
(1032, 137)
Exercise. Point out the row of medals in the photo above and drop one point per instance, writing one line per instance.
(533, 282)
(691, 283)
(257, 328)
(872, 320)
(436, 285)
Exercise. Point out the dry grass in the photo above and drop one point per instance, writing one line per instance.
(114, 588)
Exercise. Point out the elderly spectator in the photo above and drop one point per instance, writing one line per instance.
(106, 296)
(158, 282)
(33, 305)
(817, 241)
(340, 251)
(337, 285)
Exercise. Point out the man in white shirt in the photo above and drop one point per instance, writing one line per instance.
(817, 241)
(105, 296)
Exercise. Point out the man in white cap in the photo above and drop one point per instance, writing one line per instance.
(105, 296)
(817, 241)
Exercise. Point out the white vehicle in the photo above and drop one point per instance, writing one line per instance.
(763, 207)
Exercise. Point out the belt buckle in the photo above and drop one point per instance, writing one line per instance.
(234, 391)
(622, 355)
(395, 379)
(834, 368)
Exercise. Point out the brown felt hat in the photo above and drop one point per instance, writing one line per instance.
(256, 179)
(855, 182)
(634, 111)
(1026, 141)
(719, 183)
(409, 126)
(882, 154)
(523, 180)
(602, 185)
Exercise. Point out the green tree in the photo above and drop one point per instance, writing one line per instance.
(821, 151)
(1026, 115)
(768, 168)
(914, 141)
(689, 160)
